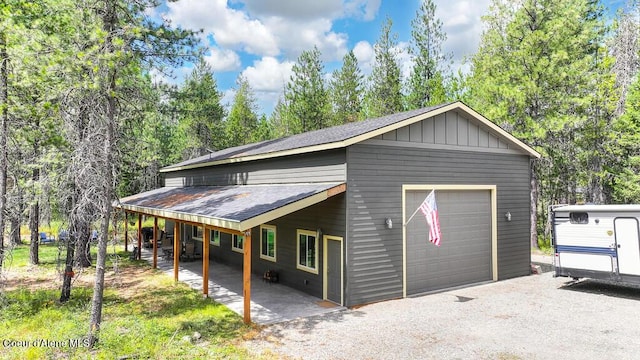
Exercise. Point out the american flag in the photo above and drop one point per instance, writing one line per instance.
(430, 211)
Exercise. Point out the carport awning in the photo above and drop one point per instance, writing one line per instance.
(236, 207)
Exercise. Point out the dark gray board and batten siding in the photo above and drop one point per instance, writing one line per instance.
(445, 149)
(375, 176)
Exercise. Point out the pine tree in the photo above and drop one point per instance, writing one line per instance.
(280, 119)
(242, 121)
(431, 65)
(117, 42)
(264, 131)
(625, 48)
(384, 94)
(151, 142)
(200, 112)
(625, 140)
(535, 75)
(307, 99)
(347, 90)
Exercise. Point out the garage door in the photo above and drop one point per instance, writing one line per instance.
(464, 255)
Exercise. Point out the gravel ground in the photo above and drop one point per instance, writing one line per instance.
(533, 317)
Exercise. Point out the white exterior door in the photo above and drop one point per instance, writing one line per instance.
(628, 244)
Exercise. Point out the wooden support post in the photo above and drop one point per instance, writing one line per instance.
(177, 247)
(205, 262)
(154, 242)
(246, 275)
(139, 254)
(126, 231)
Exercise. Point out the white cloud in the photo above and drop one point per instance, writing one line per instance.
(364, 53)
(294, 9)
(267, 78)
(277, 31)
(229, 27)
(268, 74)
(295, 37)
(271, 27)
(223, 60)
(463, 25)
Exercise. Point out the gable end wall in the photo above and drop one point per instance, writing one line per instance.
(374, 192)
(451, 129)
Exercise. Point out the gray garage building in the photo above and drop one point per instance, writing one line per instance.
(327, 209)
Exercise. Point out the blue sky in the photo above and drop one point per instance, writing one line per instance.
(261, 39)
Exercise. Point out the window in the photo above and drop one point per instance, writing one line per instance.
(268, 242)
(237, 243)
(196, 232)
(307, 251)
(579, 218)
(214, 237)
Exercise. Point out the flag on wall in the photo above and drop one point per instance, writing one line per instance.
(430, 211)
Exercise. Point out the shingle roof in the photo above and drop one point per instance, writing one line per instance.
(311, 138)
(334, 135)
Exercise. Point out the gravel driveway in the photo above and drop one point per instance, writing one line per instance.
(533, 317)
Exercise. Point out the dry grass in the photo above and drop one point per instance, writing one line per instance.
(145, 314)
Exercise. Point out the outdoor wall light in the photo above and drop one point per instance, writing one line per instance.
(507, 216)
(388, 223)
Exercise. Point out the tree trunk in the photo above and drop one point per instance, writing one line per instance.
(83, 245)
(109, 21)
(14, 233)
(98, 289)
(34, 211)
(70, 246)
(34, 217)
(4, 96)
(534, 206)
(68, 269)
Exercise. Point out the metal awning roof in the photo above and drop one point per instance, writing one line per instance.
(234, 207)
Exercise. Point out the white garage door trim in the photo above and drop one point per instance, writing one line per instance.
(436, 187)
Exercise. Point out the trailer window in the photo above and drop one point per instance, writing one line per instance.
(579, 218)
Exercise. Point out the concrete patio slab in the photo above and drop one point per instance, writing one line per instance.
(270, 303)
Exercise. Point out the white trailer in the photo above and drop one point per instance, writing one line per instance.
(597, 241)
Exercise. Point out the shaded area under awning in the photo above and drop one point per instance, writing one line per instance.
(270, 303)
(234, 207)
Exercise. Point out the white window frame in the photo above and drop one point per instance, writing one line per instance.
(234, 241)
(195, 231)
(317, 260)
(264, 254)
(213, 240)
